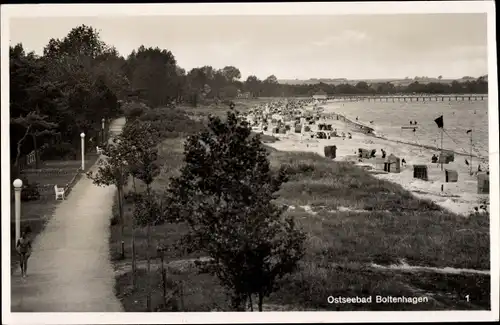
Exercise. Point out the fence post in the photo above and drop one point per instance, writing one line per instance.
(182, 294)
(163, 278)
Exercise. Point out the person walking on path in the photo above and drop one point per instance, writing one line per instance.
(23, 247)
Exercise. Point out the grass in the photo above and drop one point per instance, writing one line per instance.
(200, 292)
(35, 214)
(403, 226)
(386, 224)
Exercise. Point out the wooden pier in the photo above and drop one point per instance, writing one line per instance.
(411, 98)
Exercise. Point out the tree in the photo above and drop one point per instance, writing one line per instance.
(231, 73)
(252, 84)
(456, 87)
(143, 141)
(114, 171)
(147, 213)
(271, 80)
(35, 125)
(229, 91)
(225, 194)
(33, 101)
(271, 86)
(88, 79)
(81, 41)
(156, 71)
(362, 86)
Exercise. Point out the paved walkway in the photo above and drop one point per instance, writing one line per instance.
(70, 268)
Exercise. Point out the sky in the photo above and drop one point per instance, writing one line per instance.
(292, 47)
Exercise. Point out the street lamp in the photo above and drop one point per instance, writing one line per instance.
(18, 186)
(82, 135)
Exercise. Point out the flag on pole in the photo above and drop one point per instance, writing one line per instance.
(469, 131)
(439, 121)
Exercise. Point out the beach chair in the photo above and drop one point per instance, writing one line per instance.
(60, 192)
(420, 172)
(483, 183)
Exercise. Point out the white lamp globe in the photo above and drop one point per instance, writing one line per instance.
(18, 183)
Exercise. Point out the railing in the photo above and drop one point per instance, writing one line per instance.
(405, 98)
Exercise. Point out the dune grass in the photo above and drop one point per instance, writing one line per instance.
(384, 225)
(402, 226)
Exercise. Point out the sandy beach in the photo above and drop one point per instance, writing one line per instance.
(459, 197)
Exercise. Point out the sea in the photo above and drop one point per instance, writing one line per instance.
(458, 117)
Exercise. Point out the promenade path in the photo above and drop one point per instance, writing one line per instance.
(70, 269)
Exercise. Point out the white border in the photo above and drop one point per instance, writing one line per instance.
(9, 11)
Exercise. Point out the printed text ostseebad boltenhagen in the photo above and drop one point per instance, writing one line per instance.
(377, 300)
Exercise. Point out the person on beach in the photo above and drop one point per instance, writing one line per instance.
(403, 162)
(349, 135)
(343, 135)
(356, 118)
(383, 153)
(23, 247)
(411, 122)
(434, 159)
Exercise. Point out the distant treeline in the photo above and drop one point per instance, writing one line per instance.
(478, 86)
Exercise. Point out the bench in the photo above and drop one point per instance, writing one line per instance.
(60, 192)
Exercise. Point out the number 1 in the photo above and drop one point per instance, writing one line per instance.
(467, 298)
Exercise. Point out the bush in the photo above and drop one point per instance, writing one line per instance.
(133, 110)
(58, 151)
(171, 123)
(30, 192)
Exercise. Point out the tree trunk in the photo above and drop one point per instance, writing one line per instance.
(261, 298)
(19, 145)
(238, 302)
(134, 264)
(35, 149)
(120, 212)
(163, 280)
(148, 301)
(251, 302)
(120, 208)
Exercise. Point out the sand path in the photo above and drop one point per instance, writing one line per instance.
(70, 268)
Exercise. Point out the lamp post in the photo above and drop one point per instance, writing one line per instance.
(102, 128)
(82, 135)
(18, 185)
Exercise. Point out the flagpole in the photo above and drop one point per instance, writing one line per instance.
(471, 151)
(442, 132)
(440, 123)
(442, 157)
